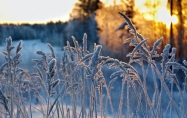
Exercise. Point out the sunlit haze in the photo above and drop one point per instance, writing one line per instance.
(160, 13)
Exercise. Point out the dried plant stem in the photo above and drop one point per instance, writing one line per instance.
(139, 99)
(73, 98)
(109, 97)
(167, 91)
(12, 85)
(91, 102)
(94, 98)
(83, 93)
(128, 100)
(169, 102)
(101, 100)
(121, 99)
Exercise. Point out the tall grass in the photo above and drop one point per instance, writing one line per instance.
(79, 88)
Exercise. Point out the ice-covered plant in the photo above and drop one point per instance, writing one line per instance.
(144, 56)
(82, 76)
(14, 81)
(46, 78)
(146, 85)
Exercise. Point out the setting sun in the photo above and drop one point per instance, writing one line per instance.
(163, 15)
(157, 12)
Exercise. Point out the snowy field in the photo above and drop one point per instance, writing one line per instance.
(29, 48)
(29, 52)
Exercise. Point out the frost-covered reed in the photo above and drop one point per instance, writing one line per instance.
(78, 87)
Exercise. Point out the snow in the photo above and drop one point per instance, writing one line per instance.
(28, 51)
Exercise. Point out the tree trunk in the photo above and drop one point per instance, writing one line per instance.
(180, 32)
(171, 25)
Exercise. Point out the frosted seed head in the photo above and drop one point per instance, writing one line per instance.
(157, 43)
(84, 42)
(122, 26)
(5, 53)
(55, 83)
(185, 62)
(173, 51)
(52, 50)
(167, 47)
(26, 82)
(140, 36)
(95, 57)
(40, 53)
(130, 25)
(9, 42)
(52, 65)
(10, 48)
(19, 47)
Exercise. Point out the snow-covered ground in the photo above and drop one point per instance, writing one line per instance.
(29, 52)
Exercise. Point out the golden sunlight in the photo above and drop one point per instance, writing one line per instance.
(34, 11)
(163, 15)
(111, 2)
(156, 10)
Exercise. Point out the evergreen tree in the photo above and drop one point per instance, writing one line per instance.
(83, 21)
(85, 8)
(1, 34)
(180, 31)
(112, 36)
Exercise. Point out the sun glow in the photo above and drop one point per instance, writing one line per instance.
(163, 15)
(158, 13)
(111, 2)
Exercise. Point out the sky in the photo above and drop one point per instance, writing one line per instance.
(34, 11)
(43, 11)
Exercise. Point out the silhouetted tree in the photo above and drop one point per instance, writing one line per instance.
(52, 32)
(85, 8)
(171, 25)
(109, 21)
(180, 31)
(83, 21)
(1, 34)
(128, 7)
